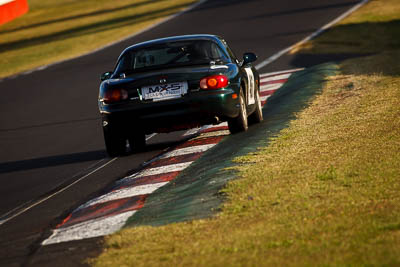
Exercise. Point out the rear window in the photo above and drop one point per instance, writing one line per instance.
(170, 54)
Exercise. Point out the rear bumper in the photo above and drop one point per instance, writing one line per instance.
(192, 110)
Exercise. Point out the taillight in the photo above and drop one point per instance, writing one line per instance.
(214, 82)
(115, 95)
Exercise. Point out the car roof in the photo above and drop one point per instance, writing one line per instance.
(192, 37)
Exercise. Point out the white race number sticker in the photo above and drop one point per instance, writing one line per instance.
(250, 86)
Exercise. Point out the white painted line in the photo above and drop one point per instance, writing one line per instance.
(274, 78)
(311, 36)
(56, 193)
(196, 130)
(219, 125)
(40, 68)
(279, 72)
(89, 229)
(213, 134)
(182, 151)
(263, 98)
(205, 127)
(123, 193)
(150, 136)
(187, 150)
(192, 131)
(158, 170)
(270, 87)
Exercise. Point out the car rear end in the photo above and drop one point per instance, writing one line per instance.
(164, 101)
(170, 84)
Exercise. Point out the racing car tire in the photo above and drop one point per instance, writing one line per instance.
(115, 142)
(239, 124)
(257, 115)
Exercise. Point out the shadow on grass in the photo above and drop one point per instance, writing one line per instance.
(363, 42)
(92, 28)
(194, 194)
(81, 16)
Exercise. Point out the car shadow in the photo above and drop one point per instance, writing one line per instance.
(96, 155)
(51, 161)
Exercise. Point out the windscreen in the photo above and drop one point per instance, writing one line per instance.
(171, 54)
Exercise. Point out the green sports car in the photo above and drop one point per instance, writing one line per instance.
(177, 83)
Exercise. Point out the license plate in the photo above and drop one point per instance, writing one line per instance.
(161, 92)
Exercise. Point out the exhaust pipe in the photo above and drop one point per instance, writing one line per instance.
(216, 120)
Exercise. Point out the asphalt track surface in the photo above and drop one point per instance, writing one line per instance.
(50, 133)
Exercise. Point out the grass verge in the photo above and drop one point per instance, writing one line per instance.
(45, 35)
(325, 191)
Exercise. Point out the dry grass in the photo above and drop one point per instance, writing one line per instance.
(325, 192)
(58, 30)
(375, 28)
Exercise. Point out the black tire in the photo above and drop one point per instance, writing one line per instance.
(115, 142)
(137, 141)
(239, 124)
(257, 115)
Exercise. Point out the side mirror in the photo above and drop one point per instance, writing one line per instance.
(249, 57)
(106, 75)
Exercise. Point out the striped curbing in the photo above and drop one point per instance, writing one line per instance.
(270, 82)
(89, 229)
(128, 192)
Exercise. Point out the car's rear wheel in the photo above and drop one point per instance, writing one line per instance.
(257, 115)
(115, 142)
(137, 141)
(239, 124)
